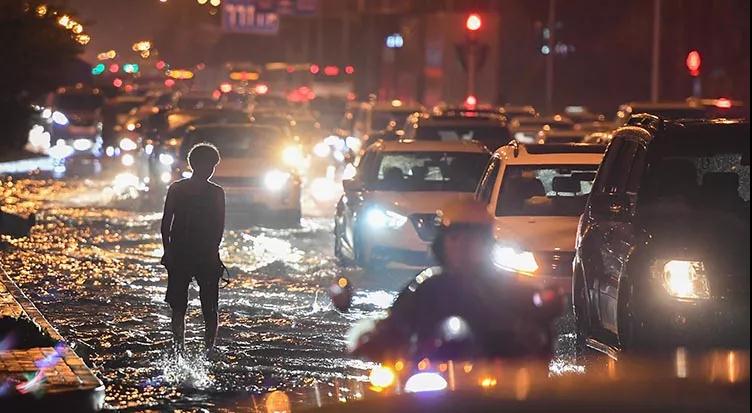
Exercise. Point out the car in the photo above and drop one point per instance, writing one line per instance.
(662, 255)
(388, 210)
(490, 131)
(598, 138)
(595, 126)
(516, 111)
(581, 114)
(525, 129)
(561, 136)
(196, 100)
(255, 173)
(480, 110)
(536, 194)
(368, 117)
(664, 110)
(75, 117)
(722, 108)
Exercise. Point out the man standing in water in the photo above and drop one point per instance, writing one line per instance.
(192, 227)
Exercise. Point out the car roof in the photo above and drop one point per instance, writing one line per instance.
(566, 154)
(428, 146)
(233, 126)
(461, 121)
(542, 119)
(659, 105)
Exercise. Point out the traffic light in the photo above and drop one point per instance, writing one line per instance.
(693, 63)
(473, 22)
(98, 69)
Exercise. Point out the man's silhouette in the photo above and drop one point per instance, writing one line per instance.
(192, 227)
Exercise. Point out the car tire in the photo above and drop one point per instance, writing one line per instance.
(581, 308)
(291, 218)
(342, 260)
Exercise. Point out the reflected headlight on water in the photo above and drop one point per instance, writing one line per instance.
(425, 382)
(61, 150)
(276, 180)
(685, 280)
(507, 258)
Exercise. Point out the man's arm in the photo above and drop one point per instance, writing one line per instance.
(220, 218)
(167, 217)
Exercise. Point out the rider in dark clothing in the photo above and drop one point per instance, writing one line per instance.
(192, 227)
(465, 301)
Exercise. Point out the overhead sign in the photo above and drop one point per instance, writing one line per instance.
(262, 16)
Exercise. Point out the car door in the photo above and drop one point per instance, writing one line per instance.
(607, 236)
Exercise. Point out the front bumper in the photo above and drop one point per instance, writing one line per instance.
(401, 245)
(717, 321)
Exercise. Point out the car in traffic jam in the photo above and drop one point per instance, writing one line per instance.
(392, 206)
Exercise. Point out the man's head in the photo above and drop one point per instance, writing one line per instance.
(465, 237)
(203, 158)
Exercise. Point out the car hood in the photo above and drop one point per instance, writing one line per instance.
(537, 233)
(419, 202)
(243, 168)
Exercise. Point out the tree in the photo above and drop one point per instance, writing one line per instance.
(35, 53)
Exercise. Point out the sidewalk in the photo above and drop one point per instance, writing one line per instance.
(39, 372)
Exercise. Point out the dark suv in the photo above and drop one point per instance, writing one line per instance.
(662, 250)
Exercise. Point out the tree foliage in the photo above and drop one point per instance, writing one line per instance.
(35, 54)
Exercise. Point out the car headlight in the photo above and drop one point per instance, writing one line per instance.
(292, 156)
(130, 126)
(127, 144)
(166, 159)
(382, 377)
(508, 258)
(322, 150)
(275, 180)
(380, 218)
(684, 280)
(353, 143)
(425, 382)
(82, 144)
(59, 118)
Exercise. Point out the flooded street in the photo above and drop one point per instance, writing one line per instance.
(92, 267)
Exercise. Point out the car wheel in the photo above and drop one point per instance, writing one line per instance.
(581, 303)
(291, 218)
(338, 254)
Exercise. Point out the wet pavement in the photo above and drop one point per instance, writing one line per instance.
(91, 265)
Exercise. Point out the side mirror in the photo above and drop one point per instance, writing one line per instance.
(341, 294)
(352, 185)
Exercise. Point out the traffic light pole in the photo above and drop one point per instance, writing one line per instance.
(471, 68)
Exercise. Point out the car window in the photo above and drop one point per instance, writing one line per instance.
(489, 179)
(545, 190)
(619, 161)
(492, 136)
(429, 171)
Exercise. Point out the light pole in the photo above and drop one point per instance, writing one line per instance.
(550, 56)
(656, 58)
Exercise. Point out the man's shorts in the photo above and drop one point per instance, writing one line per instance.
(182, 270)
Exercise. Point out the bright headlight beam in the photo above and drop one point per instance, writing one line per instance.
(166, 159)
(276, 180)
(292, 156)
(508, 258)
(127, 144)
(686, 279)
(82, 144)
(425, 382)
(59, 118)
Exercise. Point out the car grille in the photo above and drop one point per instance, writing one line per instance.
(554, 263)
(226, 181)
(425, 225)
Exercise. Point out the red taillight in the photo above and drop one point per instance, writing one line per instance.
(314, 69)
(225, 88)
(471, 101)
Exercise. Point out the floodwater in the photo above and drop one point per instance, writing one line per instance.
(92, 267)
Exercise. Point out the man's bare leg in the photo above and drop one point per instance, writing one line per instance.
(178, 330)
(211, 325)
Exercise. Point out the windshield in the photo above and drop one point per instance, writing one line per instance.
(78, 101)
(493, 136)
(545, 190)
(429, 171)
(235, 142)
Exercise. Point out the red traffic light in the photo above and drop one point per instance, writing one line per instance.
(473, 22)
(693, 62)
